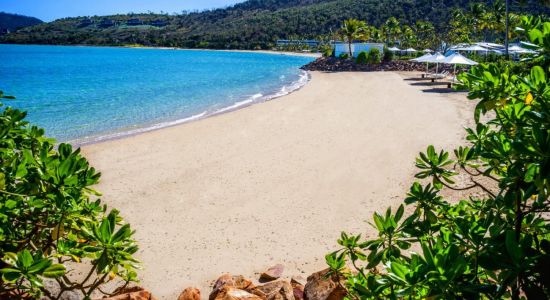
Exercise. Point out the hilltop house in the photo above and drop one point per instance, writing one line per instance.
(106, 23)
(310, 43)
(134, 22)
(4, 31)
(159, 23)
(86, 22)
(356, 48)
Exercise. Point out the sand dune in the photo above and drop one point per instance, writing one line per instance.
(275, 182)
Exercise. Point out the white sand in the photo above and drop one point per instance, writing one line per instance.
(275, 182)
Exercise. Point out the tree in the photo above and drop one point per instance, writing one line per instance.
(393, 30)
(351, 30)
(493, 244)
(51, 218)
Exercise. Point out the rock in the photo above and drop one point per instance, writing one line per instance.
(320, 288)
(298, 291)
(190, 294)
(298, 280)
(273, 273)
(230, 293)
(141, 295)
(275, 290)
(226, 280)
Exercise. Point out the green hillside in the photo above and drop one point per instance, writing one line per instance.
(13, 22)
(251, 24)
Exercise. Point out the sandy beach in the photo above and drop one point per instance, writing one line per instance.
(274, 182)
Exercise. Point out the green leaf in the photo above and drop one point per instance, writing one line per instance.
(25, 259)
(54, 271)
(10, 275)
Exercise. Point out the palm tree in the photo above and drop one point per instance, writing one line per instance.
(351, 30)
(393, 27)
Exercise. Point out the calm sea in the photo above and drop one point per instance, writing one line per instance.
(92, 93)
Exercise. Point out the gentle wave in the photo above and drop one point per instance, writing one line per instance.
(258, 98)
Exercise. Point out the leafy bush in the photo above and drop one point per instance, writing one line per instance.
(327, 50)
(388, 55)
(343, 56)
(495, 243)
(362, 58)
(51, 219)
(374, 56)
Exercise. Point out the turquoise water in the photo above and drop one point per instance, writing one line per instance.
(92, 93)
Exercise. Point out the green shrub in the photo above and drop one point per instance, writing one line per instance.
(343, 56)
(326, 50)
(374, 56)
(362, 58)
(494, 244)
(388, 55)
(51, 218)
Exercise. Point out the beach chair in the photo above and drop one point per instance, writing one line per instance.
(436, 76)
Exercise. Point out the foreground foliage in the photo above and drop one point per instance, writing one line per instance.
(51, 221)
(495, 243)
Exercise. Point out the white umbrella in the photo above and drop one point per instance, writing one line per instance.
(436, 59)
(472, 48)
(423, 58)
(410, 50)
(520, 50)
(428, 51)
(394, 49)
(458, 59)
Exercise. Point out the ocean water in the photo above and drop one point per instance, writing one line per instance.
(85, 94)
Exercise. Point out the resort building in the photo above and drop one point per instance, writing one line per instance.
(356, 48)
(134, 22)
(86, 22)
(159, 23)
(106, 23)
(4, 31)
(309, 43)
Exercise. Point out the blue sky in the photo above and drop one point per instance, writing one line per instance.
(49, 10)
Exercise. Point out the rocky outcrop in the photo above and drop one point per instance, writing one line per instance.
(273, 273)
(138, 295)
(230, 293)
(190, 294)
(275, 290)
(322, 287)
(229, 281)
(333, 64)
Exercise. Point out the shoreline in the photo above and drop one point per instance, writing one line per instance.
(294, 86)
(275, 182)
(272, 52)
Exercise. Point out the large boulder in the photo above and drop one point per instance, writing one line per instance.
(319, 287)
(273, 273)
(227, 280)
(230, 293)
(190, 294)
(275, 290)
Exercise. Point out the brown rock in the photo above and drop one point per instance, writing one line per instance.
(226, 280)
(190, 294)
(273, 273)
(298, 280)
(230, 293)
(319, 287)
(141, 295)
(275, 290)
(298, 291)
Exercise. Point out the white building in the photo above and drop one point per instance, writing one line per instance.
(356, 48)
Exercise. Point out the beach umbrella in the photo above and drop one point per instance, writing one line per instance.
(410, 50)
(394, 49)
(424, 58)
(520, 50)
(458, 59)
(437, 58)
(428, 51)
(472, 48)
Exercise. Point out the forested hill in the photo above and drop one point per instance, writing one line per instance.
(13, 22)
(251, 24)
